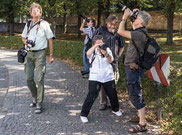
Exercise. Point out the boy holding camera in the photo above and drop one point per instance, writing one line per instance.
(35, 38)
(101, 74)
(89, 31)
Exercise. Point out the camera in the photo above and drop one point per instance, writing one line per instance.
(84, 17)
(103, 47)
(30, 42)
(133, 16)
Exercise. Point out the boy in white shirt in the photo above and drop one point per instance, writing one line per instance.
(101, 74)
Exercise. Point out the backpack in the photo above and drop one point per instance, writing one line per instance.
(151, 54)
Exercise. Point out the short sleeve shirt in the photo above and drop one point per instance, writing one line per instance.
(40, 36)
(140, 40)
(101, 70)
(89, 33)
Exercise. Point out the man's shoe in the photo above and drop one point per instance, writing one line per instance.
(38, 109)
(33, 104)
(85, 76)
(118, 113)
(84, 72)
(84, 119)
(102, 107)
(134, 119)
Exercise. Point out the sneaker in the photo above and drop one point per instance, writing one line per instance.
(84, 119)
(33, 104)
(38, 109)
(118, 113)
(85, 76)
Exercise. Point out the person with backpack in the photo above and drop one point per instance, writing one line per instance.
(36, 35)
(89, 31)
(116, 43)
(101, 74)
(134, 70)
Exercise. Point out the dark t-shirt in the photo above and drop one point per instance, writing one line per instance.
(112, 40)
(140, 39)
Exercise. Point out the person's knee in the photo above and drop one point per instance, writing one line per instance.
(135, 96)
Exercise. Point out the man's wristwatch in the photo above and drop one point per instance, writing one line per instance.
(123, 20)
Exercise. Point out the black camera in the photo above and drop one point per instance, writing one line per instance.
(84, 17)
(133, 16)
(103, 47)
(30, 42)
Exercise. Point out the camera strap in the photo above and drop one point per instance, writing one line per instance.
(30, 26)
(93, 58)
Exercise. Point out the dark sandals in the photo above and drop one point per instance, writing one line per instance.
(138, 128)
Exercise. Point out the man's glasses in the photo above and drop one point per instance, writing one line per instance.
(36, 10)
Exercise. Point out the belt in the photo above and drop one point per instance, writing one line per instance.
(37, 50)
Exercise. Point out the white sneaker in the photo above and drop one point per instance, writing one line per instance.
(84, 119)
(118, 113)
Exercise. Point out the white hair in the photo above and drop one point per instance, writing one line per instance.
(145, 17)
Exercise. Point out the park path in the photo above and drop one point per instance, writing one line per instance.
(65, 92)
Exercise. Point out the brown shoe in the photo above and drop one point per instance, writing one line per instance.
(138, 128)
(134, 119)
(102, 107)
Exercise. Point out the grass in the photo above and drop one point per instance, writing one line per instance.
(71, 50)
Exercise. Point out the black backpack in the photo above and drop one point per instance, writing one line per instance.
(152, 51)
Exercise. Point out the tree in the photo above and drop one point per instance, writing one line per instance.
(170, 7)
(9, 10)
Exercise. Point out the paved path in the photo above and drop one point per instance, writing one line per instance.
(64, 95)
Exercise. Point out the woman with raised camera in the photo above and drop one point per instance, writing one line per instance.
(101, 74)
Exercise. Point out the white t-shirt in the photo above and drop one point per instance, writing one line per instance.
(101, 70)
(44, 33)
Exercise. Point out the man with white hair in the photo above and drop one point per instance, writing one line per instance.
(133, 70)
(36, 35)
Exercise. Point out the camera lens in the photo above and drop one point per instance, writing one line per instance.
(121, 6)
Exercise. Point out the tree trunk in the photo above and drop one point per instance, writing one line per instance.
(54, 26)
(79, 24)
(11, 24)
(65, 20)
(99, 13)
(106, 10)
(170, 19)
(11, 29)
(78, 4)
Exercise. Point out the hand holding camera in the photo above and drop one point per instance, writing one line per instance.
(127, 12)
(103, 50)
(85, 18)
